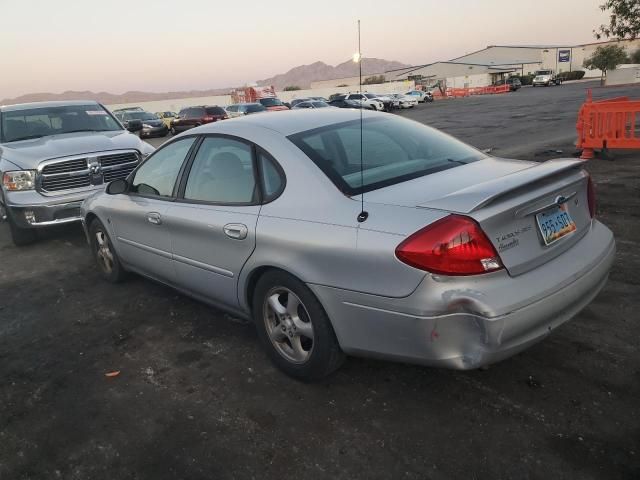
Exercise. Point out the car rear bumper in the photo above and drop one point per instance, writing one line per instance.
(150, 132)
(30, 209)
(469, 322)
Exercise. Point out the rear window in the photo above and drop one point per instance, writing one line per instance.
(270, 102)
(394, 150)
(255, 108)
(215, 111)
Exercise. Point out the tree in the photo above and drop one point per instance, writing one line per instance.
(624, 20)
(292, 88)
(635, 57)
(606, 58)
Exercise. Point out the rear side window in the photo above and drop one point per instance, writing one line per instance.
(157, 176)
(215, 111)
(272, 179)
(222, 172)
(393, 150)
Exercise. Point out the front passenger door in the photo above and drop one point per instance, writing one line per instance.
(142, 230)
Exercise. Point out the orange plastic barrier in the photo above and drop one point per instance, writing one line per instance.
(467, 92)
(605, 124)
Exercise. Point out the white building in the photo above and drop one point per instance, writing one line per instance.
(495, 62)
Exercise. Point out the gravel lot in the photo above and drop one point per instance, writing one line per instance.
(197, 399)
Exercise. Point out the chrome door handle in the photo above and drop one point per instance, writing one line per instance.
(237, 231)
(154, 218)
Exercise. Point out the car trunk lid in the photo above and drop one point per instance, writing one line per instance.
(505, 197)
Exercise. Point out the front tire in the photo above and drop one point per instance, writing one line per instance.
(104, 254)
(294, 328)
(21, 236)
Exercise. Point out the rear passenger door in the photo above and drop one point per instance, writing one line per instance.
(214, 219)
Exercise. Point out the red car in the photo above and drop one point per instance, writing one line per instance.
(195, 116)
(272, 103)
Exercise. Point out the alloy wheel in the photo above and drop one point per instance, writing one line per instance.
(288, 325)
(104, 254)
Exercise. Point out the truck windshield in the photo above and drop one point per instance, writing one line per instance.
(394, 150)
(45, 121)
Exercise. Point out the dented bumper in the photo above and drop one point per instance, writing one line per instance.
(469, 322)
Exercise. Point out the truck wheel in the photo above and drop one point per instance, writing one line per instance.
(294, 328)
(21, 236)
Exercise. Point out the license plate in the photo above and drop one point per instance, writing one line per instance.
(555, 223)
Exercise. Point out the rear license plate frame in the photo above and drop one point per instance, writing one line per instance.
(554, 224)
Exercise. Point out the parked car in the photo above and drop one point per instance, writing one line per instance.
(421, 95)
(167, 117)
(240, 109)
(513, 82)
(389, 103)
(53, 155)
(296, 101)
(341, 102)
(128, 109)
(152, 125)
(545, 78)
(310, 104)
(191, 117)
(374, 103)
(272, 104)
(455, 258)
(405, 101)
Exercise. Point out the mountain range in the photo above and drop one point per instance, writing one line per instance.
(300, 76)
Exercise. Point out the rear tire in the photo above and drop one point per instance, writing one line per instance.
(105, 254)
(294, 328)
(21, 236)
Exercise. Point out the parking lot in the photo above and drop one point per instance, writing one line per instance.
(196, 397)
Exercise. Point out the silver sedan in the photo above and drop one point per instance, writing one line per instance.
(416, 247)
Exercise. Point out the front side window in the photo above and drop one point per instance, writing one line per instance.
(44, 121)
(394, 150)
(157, 176)
(357, 96)
(222, 172)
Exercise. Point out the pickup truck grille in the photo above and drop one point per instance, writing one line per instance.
(65, 166)
(67, 174)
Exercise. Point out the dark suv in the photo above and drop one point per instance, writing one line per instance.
(195, 116)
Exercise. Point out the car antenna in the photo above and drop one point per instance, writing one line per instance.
(362, 216)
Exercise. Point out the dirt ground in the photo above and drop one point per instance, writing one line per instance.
(196, 398)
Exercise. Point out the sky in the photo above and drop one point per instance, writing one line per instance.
(160, 45)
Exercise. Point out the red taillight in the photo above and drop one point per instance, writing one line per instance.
(454, 245)
(591, 198)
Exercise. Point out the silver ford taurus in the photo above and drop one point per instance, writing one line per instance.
(416, 248)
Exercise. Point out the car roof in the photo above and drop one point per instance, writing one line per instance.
(289, 122)
(29, 106)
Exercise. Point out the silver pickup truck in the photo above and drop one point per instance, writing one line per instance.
(55, 154)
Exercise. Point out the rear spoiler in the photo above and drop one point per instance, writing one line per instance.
(475, 197)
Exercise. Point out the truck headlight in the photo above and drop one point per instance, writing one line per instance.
(19, 180)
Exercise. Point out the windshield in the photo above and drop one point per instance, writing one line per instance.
(271, 102)
(320, 104)
(543, 72)
(45, 121)
(394, 150)
(139, 116)
(370, 95)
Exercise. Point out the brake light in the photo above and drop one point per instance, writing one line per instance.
(209, 118)
(454, 245)
(591, 197)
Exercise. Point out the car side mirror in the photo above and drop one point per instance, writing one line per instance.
(116, 187)
(134, 125)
